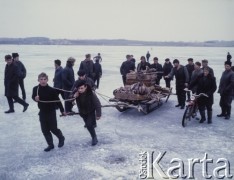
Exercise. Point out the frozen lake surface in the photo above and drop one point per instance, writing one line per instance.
(122, 136)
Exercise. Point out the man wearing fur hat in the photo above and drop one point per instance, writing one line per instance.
(89, 108)
(22, 71)
(226, 88)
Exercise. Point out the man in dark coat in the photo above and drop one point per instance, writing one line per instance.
(126, 67)
(88, 66)
(167, 67)
(226, 88)
(181, 74)
(206, 83)
(143, 65)
(195, 74)
(11, 82)
(58, 77)
(97, 72)
(229, 56)
(47, 114)
(158, 68)
(89, 108)
(190, 68)
(22, 71)
(68, 80)
(205, 64)
(98, 58)
(82, 77)
(147, 56)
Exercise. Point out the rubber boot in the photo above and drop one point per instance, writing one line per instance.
(49, 141)
(228, 113)
(61, 138)
(93, 135)
(222, 112)
(209, 115)
(203, 116)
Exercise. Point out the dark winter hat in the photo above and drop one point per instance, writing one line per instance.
(204, 61)
(190, 59)
(228, 63)
(81, 73)
(57, 61)
(81, 83)
(8, 57)
(72, 59)
(176, 61)
(14, 55)
(155, 58)
(198, 63)
(167, 59)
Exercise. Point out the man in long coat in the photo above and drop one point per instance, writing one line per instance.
(11, 82)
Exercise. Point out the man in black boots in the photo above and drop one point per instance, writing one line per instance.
(181, 74)
(11, 82)
(89, 108)
(22, 73)
(206, 83)
(226, 88)
(45, 96)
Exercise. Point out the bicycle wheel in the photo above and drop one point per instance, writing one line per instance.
(186, 116)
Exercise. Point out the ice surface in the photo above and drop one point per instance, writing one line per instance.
(122, 136)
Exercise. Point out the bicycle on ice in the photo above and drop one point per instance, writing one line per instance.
(191, 109)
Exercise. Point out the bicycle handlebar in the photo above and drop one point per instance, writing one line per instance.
(196, 95)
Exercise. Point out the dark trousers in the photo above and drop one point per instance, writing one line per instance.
(181, 94)
(48, 122)
(17, 99)
(89, 119)
(68, 104)
(124, 80)
(157, 81)
(97, 79)
(90, 122)
(225, 104)
(168, 82)
(21, 84)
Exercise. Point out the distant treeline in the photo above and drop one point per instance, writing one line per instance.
(111, 42)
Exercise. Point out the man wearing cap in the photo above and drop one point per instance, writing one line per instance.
(158, 68)
(167, 67)
(182, 78)
(190, 68)
(22, 71)
(11, 82)
(89, 108)
(205, 64)
(88, 66)
(126, 67)
(68, 80)
(226, 88)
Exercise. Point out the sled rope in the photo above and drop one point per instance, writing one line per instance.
(71, 99)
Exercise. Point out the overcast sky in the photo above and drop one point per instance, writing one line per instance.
(151, 20)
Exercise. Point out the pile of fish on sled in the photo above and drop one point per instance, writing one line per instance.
(141, 86)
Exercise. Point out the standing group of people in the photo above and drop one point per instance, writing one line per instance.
(198, 77)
